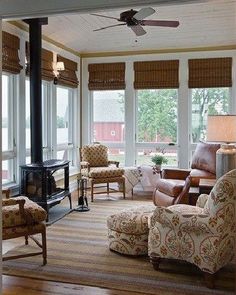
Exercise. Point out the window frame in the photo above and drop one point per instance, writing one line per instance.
(11, 153)
(69, 147)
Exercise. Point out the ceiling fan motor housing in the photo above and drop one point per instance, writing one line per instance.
(127, 16)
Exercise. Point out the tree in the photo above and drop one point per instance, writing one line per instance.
(157, 115)
(207, 101)
(60, 122)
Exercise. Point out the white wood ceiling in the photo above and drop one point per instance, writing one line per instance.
(212, 23)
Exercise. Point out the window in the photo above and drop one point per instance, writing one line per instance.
(207, 101)
(8, 130)
(156, 124)
(45, 125)
(108, 124)
(64, 123)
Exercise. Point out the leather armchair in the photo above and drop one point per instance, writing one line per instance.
(203, 235)
(174, 186)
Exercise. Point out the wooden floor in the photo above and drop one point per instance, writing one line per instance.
(24, 286)
(12, 285)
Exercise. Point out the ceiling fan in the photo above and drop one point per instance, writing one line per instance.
(135, 20)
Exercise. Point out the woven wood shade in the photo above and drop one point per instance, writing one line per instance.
(160, 74)
(10, 58)
(210, 72)
(68, 76)
(46, 63)
(106, 76)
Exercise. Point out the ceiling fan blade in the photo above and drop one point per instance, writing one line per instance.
(160, 23)
(138, 30)
(143, 13)
(105, 16)
(109, 27)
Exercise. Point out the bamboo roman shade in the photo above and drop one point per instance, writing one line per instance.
(210, 72)
(10, 57)
(106, 76)
(46, 63)
(68, 76)
(159, 74)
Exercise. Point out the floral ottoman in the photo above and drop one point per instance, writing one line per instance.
(128, 230)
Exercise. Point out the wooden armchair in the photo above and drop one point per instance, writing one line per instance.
(23, 218)
(96, 167)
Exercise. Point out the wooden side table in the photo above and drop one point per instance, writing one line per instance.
(206, 185)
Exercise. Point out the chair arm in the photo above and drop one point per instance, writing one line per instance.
(6, 192)
(85, 165)
(114, 163)
(175, 173)
(24, 212)
(16, 201)
(201, 201)
(191, 223)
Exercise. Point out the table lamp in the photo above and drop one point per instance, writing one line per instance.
(222, 128)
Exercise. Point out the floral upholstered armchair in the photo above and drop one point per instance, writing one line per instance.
(203, 234)
(22, 217)
(96, 167)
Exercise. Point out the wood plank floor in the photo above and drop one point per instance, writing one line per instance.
(25, 286)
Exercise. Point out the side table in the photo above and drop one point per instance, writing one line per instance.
(206, 185)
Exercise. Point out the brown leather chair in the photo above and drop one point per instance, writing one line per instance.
(174, 186)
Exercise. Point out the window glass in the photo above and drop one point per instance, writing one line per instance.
(145, 155)
(117, 154)
(62, 115)
(108, 116)
(5, 113)
(27, 114)
(157, 115)
(7, 171)
(207, 101)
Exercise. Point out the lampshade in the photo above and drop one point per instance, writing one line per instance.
(60, 66)
(221, 128)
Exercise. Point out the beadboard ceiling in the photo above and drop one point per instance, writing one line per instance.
(205, 24)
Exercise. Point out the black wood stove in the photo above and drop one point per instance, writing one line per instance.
(38, 183)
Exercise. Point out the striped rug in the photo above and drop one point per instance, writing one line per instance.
(78, 253)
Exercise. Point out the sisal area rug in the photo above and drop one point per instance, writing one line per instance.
(78, 253)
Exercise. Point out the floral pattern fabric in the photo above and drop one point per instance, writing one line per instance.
(202, 236)
(128, 230)
(11, 216)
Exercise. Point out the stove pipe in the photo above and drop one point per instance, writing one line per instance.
(35, 44)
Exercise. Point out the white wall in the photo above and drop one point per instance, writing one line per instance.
(184, 101)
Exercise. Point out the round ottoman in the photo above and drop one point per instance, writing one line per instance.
(128, 230)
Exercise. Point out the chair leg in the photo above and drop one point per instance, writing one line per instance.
(155, 262)
(26, 240)
(123, 189)
(209, 280)
(108, 188)
(91, 191)
(44, 246)
(132, 193)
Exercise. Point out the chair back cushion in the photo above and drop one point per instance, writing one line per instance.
(95, 154)
(204, 157)
(222, 198)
